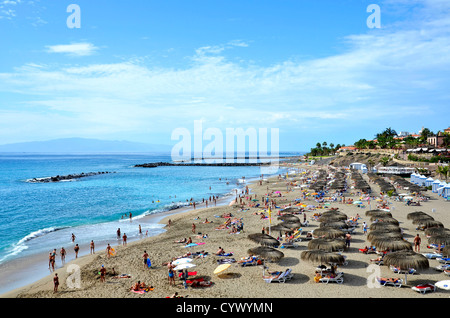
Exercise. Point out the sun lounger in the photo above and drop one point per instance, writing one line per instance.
(339, 278)
(432, 255)
(288, 244)
(424, 288)
(397, 282)
(226, 261)
(444, 260)
(410, 271)
(442, 267)
(279, 278)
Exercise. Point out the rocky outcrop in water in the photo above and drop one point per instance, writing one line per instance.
(224, 164)
(68, 177)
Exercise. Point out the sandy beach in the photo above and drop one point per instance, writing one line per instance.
(238, 281)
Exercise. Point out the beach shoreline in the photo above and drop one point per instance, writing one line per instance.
(17, 273)
(242, 282)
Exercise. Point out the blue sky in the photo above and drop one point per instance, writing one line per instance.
(137, 70)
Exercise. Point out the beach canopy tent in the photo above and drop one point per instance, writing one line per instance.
(429, 182)
(422, 180)
(358, 166)
(435, 185)
(446, 192)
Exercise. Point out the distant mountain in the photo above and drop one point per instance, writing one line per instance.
(83, 145)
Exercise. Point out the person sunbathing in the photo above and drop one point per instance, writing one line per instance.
(181, 241)
(138, 286)
(220, 251)
(318, 277)
(392, 280)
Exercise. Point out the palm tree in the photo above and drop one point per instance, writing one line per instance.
(371, 163)
(384, 161)
(443, 171)
(318, 145)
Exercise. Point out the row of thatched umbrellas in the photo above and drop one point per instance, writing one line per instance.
(386, 235)
(434, 230)
(320, 249)
(360, 183)
(384, 185)
(412, 187)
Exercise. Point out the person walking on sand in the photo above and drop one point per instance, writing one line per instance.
(76, 249)
(108, 251)
(55, 283)
(171, 277)
(365, 227)
(124, 238)
(102, 273)
(193, 227)
(63, 255)
(417, 241)
(92, 247)
(145, 257)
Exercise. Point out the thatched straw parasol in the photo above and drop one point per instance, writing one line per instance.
(436, 231)
(378, 213)
(385, 220)
(406, 260)
(328, 245)
(334, 212)
(264, 239)
(430, 223)
(439, 239)
(336, 225)
(383, 234)
(391, 244)
(280, 227)
(288, 218)
(292, 225)
(266, 253)
(413, 215)
(387, 226)
(332, 218)
(322, 257)
(422, 218)
(290, 209)
(446, 251)
(328, 232)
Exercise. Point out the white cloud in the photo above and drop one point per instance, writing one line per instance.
(74, 49)
(384, 75)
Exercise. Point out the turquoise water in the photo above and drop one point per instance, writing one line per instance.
(37, 217)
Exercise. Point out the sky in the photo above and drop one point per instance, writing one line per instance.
(139, 70)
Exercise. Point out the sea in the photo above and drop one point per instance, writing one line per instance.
(36, 218)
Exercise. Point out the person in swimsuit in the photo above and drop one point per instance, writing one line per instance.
(102, 273)
(63, 255)
(145, 257)
(76, 249)
(55, 283)
(92, 247)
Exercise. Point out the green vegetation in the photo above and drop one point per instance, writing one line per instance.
(321, 150)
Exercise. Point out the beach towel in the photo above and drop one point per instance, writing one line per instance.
(189, 274)
(142, 290)
(226, 261)
(226, 254)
